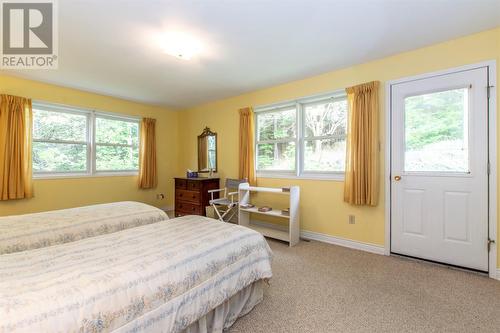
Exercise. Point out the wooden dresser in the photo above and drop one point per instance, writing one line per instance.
(191, 195)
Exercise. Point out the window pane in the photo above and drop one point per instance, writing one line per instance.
(436, 132)
(116, 131)
(115, 158)
(276, 125)
(276, 156)
(324, 119)
(49, 125)
(59, 157)
(325, 155)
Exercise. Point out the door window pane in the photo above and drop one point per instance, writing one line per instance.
(436, 132)
(276, 156)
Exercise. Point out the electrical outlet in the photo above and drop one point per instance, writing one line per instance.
(160, 196)
(352, 219)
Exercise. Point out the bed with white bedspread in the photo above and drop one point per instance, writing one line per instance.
(171, 276)
(32, 231)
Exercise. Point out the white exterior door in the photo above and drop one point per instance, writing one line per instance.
(439, 168)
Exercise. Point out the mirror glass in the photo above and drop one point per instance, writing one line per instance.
(207, 151)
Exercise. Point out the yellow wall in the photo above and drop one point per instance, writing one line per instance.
(63, 193)
(322, 208)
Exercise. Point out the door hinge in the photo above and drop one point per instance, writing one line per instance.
(490, 241)
(489, 168)
(488, 91)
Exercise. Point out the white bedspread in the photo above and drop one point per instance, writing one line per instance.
(159, 277)
(32, 231)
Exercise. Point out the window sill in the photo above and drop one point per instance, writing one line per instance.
(85, 175)
(339, 177)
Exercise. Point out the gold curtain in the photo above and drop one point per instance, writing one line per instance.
(148, 177)
(246, 157)
(15, 148)
(361, 185)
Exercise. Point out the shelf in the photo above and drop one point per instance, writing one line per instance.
(255, 210)
(265, 189)
(270, 232)
(289, 234)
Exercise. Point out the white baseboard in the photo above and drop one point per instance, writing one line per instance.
(311, 235)
(352, 244)
(368, 247)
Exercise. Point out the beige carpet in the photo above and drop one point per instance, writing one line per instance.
(318, 287)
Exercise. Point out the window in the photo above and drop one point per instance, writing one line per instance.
(60, 142)
(70, 141)
(276, 133)
(306, 138)
(116, 144)
(437, 131)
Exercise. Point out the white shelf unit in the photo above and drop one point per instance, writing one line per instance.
(291, 235)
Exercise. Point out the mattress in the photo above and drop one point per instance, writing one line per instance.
(32, 231)
(163, 275)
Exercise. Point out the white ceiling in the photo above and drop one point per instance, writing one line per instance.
(109, 46)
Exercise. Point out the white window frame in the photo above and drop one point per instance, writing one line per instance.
(299, 172)
(276, 108)
(98, 114)
(91, 116)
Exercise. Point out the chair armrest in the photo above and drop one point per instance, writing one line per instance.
(231, 195)
(211, 192)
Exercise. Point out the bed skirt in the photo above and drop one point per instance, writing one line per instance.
(223, 316)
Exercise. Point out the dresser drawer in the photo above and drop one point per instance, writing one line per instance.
(181, 183)
(191, 195)
(193, 185)
(185, 195)
(187, 208)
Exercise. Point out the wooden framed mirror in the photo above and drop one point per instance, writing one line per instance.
(207, 151)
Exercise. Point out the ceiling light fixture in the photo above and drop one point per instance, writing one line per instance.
(181, 45)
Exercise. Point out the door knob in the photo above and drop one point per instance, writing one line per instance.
(397, 178)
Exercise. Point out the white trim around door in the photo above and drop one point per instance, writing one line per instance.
(492, 151)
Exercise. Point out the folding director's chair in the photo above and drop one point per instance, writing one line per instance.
(227, 205)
